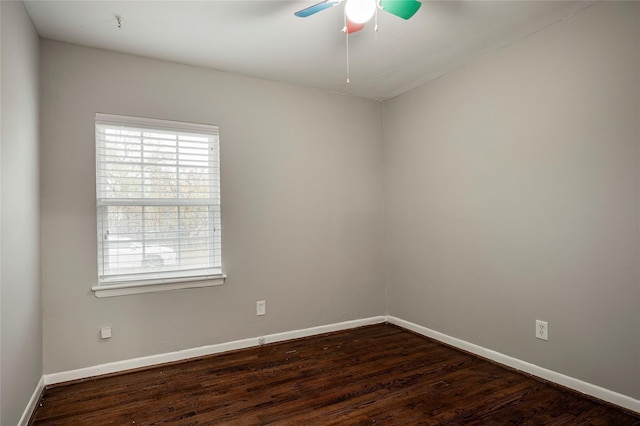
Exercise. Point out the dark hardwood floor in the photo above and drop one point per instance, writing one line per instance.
(371, 375)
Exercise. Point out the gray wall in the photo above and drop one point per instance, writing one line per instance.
(21, 317)
(302, 207)
(512, 194)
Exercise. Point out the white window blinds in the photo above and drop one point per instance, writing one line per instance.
(158, 200)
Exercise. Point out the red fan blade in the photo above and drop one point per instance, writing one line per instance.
(352, 27)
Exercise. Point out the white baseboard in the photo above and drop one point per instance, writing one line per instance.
(147, 361)
(543, 373)
(31, 406)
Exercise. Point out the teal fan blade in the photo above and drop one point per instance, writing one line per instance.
(405, 9)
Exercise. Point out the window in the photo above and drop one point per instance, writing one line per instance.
(158, 205)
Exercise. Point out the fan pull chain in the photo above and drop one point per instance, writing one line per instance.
(348, 58)
(346, 32)
(376, 21)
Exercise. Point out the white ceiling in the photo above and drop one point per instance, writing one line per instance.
(264, 39)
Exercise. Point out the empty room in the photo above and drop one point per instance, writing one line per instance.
(338, 212)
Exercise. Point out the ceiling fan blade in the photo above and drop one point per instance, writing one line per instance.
(316, 8)
(405, 9)
(352, 27)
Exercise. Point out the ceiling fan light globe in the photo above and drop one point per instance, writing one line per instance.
(360, 11)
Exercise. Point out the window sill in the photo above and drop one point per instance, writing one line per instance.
(154, 286)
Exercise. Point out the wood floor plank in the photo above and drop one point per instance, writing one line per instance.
(377, 374)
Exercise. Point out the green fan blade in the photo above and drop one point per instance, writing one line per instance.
(402, 8)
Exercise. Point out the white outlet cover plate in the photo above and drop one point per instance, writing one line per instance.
(105, 333)
(542, 330)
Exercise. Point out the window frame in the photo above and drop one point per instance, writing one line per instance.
(135, 283)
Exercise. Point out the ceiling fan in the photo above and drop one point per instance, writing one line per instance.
(358, 12)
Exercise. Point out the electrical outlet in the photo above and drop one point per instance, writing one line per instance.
(261, 341)
(542, 330)
(261, 307)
